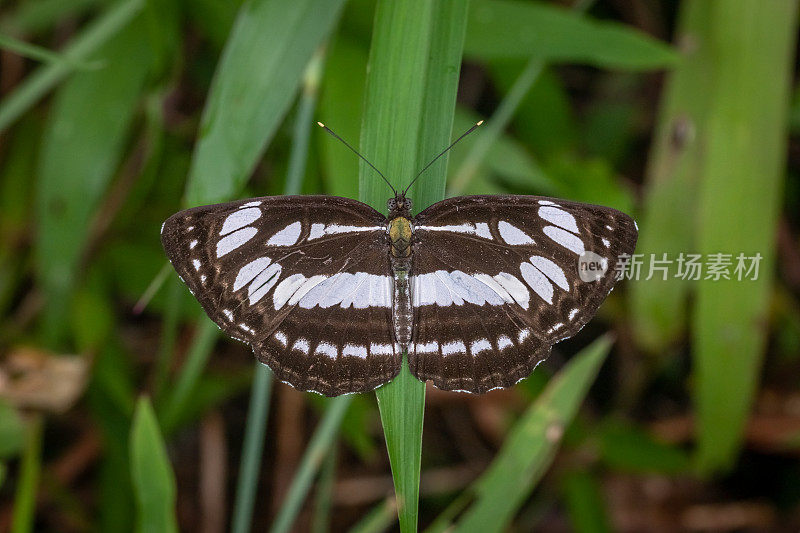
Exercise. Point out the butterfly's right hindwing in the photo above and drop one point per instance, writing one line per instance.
(305, 280)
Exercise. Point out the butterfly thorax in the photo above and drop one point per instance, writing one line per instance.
(400, 236)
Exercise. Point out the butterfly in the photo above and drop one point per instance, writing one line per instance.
(330, 293)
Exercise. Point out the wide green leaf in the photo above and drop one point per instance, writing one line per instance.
(83, 144)
(503, 29)
(738, 206)
(659, 305)
(254, 85)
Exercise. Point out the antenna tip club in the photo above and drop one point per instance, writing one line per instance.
(479, 123)
(320, 124)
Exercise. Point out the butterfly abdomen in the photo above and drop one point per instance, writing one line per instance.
(400, 234)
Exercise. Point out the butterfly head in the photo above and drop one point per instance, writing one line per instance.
(399, 206)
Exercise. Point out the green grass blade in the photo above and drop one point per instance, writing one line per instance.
(153, 479)
(302, 126)
(31, 51)
(46, 77)
(739, 201)
(321, 443)
(199, 352)
(83, 143)
(666, 225)
(407, 119)
(323, 501)
(28, 483)
(252, 449)
(530, 447)
(254, 85)
(531, 29)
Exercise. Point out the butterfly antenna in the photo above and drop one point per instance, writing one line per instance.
(326, 128)
(441, 154)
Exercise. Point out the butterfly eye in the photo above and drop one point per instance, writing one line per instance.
(391, 204)
(409, 204)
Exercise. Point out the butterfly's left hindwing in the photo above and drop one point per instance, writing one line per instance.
(496, 283)
(305, 280)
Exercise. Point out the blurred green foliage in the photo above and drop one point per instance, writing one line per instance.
(115, 114)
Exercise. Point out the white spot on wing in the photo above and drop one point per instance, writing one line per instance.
(503, 342)
(281, 338)
(495, 286)
(512, 234)
(234, 240)
(335, 229)
(263, 283)
(428, 347)
(559, 217)
(286, 289)
(249, 271)
(481, 229)
(255, 203)
(193, 244)
(537, 281)
(287, 236)
(523, 334)
(480, 345)
(355, 350)
(303, 289)
(196, 263)
(239, 219)
(380, 349)
(326, 348)
(318, 230)
(453, 347)
(566, 239)
(228, 314)
(551, 270)
(302, 345)
(606, 243)
(515, 288)
(444, 288)
(573, 313)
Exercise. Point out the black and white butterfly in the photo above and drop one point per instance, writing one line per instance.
(329, 302)
(330, 293)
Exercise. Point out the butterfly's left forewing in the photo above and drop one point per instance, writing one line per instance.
(496, 283)
(305, 280)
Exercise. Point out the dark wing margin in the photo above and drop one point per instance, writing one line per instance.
(497, 283)
(305, 280)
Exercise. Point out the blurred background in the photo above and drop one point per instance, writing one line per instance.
(122, 408)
